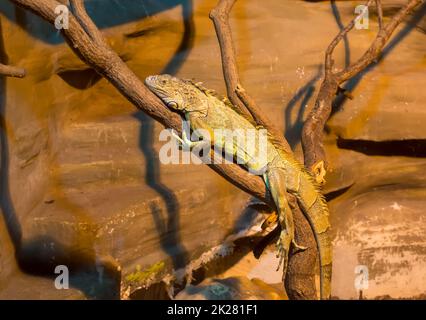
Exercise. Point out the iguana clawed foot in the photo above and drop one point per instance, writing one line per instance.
(283, 248)
(184, 141)
(271, 220)
(319, 172)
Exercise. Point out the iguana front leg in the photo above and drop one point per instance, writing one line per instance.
(186, 142)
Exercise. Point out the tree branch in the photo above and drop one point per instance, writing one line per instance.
(379, 42)
(235, 91)
(79, 10)
(312, 134)
(261, 119)
(220, 18)
(11, 71)
(329, 52)
(300, 283)
(379, 14)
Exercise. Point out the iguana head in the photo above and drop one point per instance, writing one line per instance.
(178, 94)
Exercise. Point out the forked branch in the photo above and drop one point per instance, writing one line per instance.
(312, 135)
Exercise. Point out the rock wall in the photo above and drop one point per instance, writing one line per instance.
(82, 184)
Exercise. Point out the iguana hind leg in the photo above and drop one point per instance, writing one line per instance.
(275, 181)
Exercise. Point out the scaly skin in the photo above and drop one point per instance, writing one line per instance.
(210, 114)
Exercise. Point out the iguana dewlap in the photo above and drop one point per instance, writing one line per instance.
(209, 113)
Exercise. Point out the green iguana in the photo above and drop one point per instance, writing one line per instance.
(208, 114)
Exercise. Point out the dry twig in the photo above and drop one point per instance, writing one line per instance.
(11, 71)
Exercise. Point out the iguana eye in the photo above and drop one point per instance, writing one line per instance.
(172, 104)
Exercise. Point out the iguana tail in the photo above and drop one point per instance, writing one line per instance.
(287, 175)
(316, 212)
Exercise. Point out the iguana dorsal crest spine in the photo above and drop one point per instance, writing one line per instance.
(225, 100)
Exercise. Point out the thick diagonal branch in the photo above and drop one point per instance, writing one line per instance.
(312, 135)
(107, 63)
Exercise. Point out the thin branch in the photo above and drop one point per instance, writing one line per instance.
(77, 6)
(235, 91)
(378, 44)
(11, 71)
(220, 18)
(379, 13)
(261, 119)
(339, 37)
